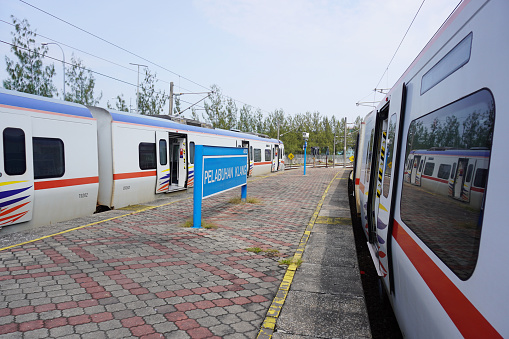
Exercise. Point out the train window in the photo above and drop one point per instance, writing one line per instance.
(453, 172)
(480, 177)
(469, 173)
(14, 151)
(444, 171)
(48, 158)
(448, 219)
(420, 166)
(191, 152)
(450, 63)
(428, 169)
(267, 155)
(251, 152)
(163, 152)
(388, 158)
(147, 155)
(257, 155)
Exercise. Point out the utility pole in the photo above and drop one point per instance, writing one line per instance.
(171, 98)
(138, 87)
(344, 147)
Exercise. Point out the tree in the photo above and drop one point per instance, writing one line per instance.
(81, 83)
(120, 104)
(150, 101)
(28, 74)
(214, 111)
(176, 108)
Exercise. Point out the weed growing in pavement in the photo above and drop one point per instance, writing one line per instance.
(269, 252)
(204, 224)
(290, 261)
(249, 200)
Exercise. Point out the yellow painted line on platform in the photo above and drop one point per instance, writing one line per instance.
(91, 224)
(269, 323)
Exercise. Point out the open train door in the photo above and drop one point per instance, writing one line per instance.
(178, 161)
(275, 158)
(460, 192)
(163, 163)
(16, 170)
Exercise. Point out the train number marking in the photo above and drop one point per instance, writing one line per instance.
(83, 195)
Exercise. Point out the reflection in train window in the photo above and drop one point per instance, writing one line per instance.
(14, 151)
(443, 208)
(48, 158)
(147, 155)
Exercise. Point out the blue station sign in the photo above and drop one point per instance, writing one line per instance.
(217, 169)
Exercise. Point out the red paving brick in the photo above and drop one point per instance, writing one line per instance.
(145, 273)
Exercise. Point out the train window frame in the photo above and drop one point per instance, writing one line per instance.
(444, 170)
(56, 157)
(257, 155)
(191, 152)
(14, 151)
(147, 156)
(456, 58)
(163, 152)
(447, 216)
(470, 170)
(480, 177)
(429, 165)
(267, 154)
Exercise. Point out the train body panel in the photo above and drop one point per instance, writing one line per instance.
(437, 233)
(61, 160)
(45, 157)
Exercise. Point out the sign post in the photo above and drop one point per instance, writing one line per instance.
(217, 170)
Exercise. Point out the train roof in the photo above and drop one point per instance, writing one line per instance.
(146, 120)
(43, 104)
(479, 152)
(37, 103)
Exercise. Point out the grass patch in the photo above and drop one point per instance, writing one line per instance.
(204, 224)
(290, 261)
(269, 252)
(254, 249)
(249, 200)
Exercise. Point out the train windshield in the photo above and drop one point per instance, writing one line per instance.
(441, 201)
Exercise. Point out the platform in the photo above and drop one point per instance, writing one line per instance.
(137, 272)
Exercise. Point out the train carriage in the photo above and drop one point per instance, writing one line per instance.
(432, 181)
(61, 160)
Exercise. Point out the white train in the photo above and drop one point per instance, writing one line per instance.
(60, 160)
(429, 180)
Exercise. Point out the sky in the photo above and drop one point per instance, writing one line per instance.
(296, 55)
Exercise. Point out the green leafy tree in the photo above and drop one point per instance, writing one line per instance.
(81, 84)
(176, 107)
(151, 101)
(214, 110)
(28, 74)
(120, 104)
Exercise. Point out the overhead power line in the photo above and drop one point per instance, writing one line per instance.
(70, 64)
(113, 44)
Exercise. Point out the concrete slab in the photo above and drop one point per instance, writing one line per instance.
(323, 316)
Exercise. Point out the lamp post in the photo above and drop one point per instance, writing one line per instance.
(138, 86)
(63, 59)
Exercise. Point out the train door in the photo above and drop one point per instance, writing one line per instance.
(245, 144)
(276, 158)
(414, 177)
(16, 170)
(163, 163)
(178, 162)
(375, 187)
(459, 192)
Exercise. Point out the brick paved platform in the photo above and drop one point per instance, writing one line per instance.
(140, 274)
